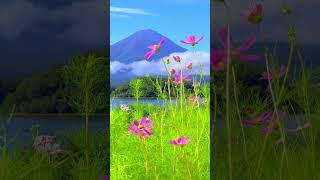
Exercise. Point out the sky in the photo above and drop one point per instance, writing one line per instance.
(35, 34)
(304, 13)
(175, 19)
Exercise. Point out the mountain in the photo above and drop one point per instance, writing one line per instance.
(134, 47)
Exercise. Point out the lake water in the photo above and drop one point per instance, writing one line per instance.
(58, 125)
(116, 102)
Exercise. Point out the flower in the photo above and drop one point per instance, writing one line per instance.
(194, 100)
(298, 129)
(182, 141)
(286, 9)
(192, 40)
(178, 80)
(254, 14)
(195, 85)
(142, 129)
(266, 120)
(124, 107)
(105, 178)
(177, 58)
(154, 49)
(167, 60)
(172, 71)
(238, 52)
(266, 76)
(218, 60)
(189, 65)
(46, 144)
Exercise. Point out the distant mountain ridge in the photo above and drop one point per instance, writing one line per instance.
(134, 47)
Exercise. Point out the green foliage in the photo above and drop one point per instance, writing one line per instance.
(135, 87)
(86, 79)
(48, 92)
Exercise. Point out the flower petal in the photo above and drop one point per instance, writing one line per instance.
(247, 44)
(162, 41)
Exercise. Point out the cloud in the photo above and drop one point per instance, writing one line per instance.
(143, 67)
(119, 15)
(85, 20)
(125, 12)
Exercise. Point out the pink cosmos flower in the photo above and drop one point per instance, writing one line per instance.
(142, 129)
(177, 58)
(195, 85)
(178, 80)
(268, 123)
(189, 65)
(194, 100)
(238, 52)
(172, 71)
(182, 141)
(298, 129)
(218, 60)
(154, 49)
(124, 107)
(266, 76)
(192, 40)
(254, 14)
(105, 178)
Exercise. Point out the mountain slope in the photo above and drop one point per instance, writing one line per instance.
(134, 47)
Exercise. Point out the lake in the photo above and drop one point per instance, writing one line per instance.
(57, 125)
(116, 102)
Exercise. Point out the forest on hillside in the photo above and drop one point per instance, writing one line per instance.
(47, 92)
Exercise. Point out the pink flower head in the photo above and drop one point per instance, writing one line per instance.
(266, 76)
(189, 65)
(182, 141)
(124, 107)
(177, 58)
(142, 129)
(192, 40)
(195, 85)
(172, 71)
(238, 52)
(178, 80)
(218, 60)
(194, 100)
(254, 14)
(105, 178)
(154, 49)
(266, 120)
(298, 129)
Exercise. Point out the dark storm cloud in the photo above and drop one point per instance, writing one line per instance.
(305, 14)
(86, 19)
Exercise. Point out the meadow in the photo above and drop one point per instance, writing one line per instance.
(265, 130)
(163, 142)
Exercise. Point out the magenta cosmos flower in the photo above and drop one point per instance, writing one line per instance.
(124, 107)
(238, 52)
(189, 65)
(178, 80)
(172, 71)
(182, 141)
(154, 49)
(192, 40)
(266, 76)
(266, 120)
(142, 129)
(105, 178)
(254, 14)
(177, 58)
(218, 60)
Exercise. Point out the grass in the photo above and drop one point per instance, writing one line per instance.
(244, 153)
(24, 163)
(127, 154)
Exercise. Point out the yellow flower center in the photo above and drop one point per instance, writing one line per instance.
(140, 126)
